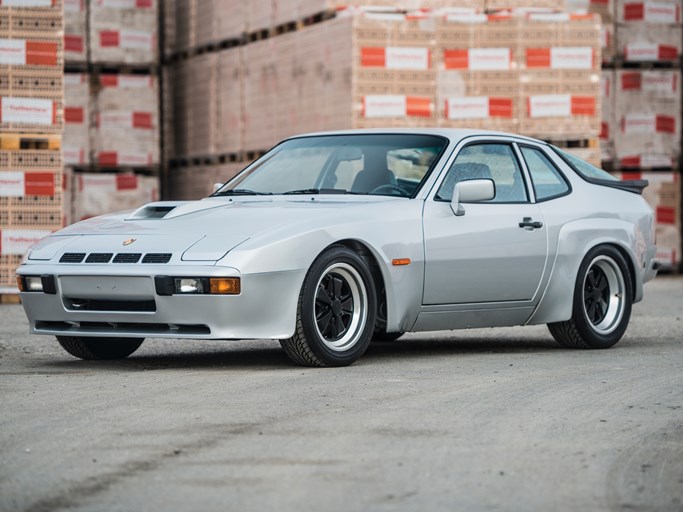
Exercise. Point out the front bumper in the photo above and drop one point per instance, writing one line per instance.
(265, 308)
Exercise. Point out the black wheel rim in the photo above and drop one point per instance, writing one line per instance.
(340, 310)
(596, 295)
(333, 307)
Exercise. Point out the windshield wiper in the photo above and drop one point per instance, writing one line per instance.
(241, 192)
(316, 191)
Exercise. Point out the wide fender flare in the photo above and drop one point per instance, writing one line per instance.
(575, 240)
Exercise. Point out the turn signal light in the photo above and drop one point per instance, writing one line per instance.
(225, 285)
(400, 261)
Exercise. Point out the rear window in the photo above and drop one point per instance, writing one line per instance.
(583, 168)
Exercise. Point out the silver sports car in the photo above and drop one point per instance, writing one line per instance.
(332, 240)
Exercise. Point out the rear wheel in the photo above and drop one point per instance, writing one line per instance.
(336, 311)
(602, 302)
(99, 348)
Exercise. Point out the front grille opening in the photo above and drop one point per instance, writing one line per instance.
(77, 304)
(157, 257)
(115, 328)
(127, 257)
(72, 257)
(99, 257)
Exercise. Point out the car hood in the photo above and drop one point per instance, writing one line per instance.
(204, 230)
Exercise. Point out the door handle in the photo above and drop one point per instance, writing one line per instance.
(527, 222)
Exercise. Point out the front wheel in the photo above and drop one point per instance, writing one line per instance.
(99, 348)
(336, 311)
(602, 302)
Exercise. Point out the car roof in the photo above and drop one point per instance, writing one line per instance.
(454, 134)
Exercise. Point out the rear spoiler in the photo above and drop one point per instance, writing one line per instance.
(634, 186)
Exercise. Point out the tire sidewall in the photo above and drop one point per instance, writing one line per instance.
(593, 338)
(307, 310)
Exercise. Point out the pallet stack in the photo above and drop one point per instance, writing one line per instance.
(31, 122)
(641, 136)
(112, 104)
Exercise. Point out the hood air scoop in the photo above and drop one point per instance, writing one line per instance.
(153, 211)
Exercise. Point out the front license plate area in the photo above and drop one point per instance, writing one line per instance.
(116, 287)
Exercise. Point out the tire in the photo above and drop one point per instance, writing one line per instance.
(386, 336)
(336, 311)
(602, 302)
(99, 348)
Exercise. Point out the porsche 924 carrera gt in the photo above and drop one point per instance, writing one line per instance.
(335, 239)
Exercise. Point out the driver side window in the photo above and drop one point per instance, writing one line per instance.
(491, 161)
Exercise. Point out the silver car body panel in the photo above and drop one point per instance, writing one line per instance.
(475, 270)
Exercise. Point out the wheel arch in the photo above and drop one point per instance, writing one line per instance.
(576, 240)
(376, 269)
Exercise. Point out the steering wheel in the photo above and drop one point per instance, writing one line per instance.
(391, 189)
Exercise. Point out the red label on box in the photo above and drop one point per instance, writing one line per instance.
(583, 105)
(372, 57)
(126, 182)
(666, 124)
(604, 130)
(667, 52)
(142, 120)
(500, 107)
(634, 12)
(627, 176)
(538, 57)
(666, 215)
(74, 115)
(456, 59)
(107, 158)
(73, 43)
(143, 4)
(418, 107)
(39, 183)
(109, 38)
(109, 80)
(631, 81)
(41, 53)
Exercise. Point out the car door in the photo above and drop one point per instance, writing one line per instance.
(498, 250)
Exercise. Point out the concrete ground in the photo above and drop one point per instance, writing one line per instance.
(497, 419)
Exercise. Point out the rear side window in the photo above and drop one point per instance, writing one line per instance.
(547, 180)
(583, 168)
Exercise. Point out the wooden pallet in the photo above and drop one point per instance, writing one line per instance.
(10, 298)
(17, 141)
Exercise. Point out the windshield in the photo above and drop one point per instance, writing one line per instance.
(377, 164)
(582, 167)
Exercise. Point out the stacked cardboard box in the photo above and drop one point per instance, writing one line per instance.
(647, 110)
(649, 30)
(607, 128)
(123, 32)
(31, 106)
(126, 132)
(75, 33)
(99, 193)
(560, 76)
(77, 116)
(478, 71)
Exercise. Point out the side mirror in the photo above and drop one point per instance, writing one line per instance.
(217, 186)
(471, 191)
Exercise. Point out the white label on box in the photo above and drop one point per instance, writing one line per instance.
(135, 82)
(385, 105)
(466, 17)
(407, 58)
(550, 105)
(106, 183)
(13, 51)
(12, 184)
(26, 3)
(549, 16)
(110, 120)
(470, 107)
(489, 59)
(73, 155)
(658, 12)
(27, 111)
(639, 123)
(136, 39)
(118, 4)
(571, 57)
(661, 82)
(18, 241)
(134, 158)
(655, 161)
(642, 51)
(73, 79)
(73, 5)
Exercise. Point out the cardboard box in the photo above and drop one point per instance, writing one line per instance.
(75, 31)
(77, 119)
(196, 182)
(607, 126)
(647, 117)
